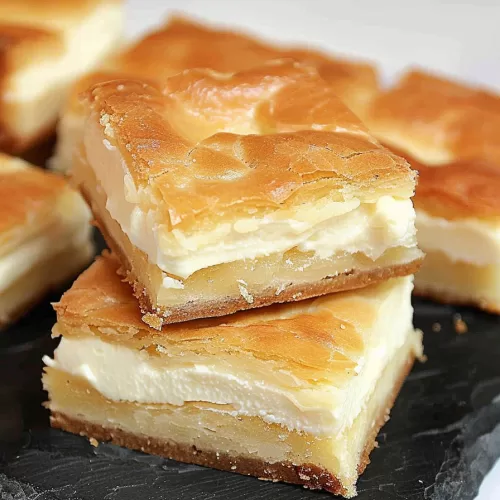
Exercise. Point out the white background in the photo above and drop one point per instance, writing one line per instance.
(455, 38)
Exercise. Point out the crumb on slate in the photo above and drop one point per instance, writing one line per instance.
(436, 327)
(94, 442)
(459, 324)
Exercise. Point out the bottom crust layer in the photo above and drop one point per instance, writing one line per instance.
(308, 475)
(342, 282)
(447, 297)
(459, 283)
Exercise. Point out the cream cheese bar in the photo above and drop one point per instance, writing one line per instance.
(458, 225)
(437, 120)
(294, 392)
(228, 192)
(45, 235)
(183, 44)
(444, 130)
(46, 45)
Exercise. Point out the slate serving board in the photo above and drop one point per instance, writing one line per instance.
(443, 436)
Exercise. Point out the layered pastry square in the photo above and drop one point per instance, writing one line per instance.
(183, 44)
(293, 392)
(436, 120)
(45, 235)
(458, 224)
(45, 46)
(227, 192)
(444, 129)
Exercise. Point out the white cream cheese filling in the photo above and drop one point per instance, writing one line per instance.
(324, 227)
(469, 240)
(251, 387)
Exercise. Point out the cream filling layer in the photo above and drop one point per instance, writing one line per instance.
(85, 45)
(250, 387)
(324, 227)
(469, 240)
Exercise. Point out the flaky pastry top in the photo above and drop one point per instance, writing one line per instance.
(463, 189)
(460, 120)
(267, 138)
(27, 194)
(317, 338)
(184, 44)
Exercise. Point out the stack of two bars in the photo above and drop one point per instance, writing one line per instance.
(220, 193)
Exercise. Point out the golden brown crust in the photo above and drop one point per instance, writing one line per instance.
(310, 476)
(194, 45)
(184, 44)
(309, 331)
(355, 83)
(462, 189)
(264, 138)
(74, 104)
(459, 190)
(439, 118)
(26, 193)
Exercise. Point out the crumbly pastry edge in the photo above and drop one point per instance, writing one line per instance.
(340, 283)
